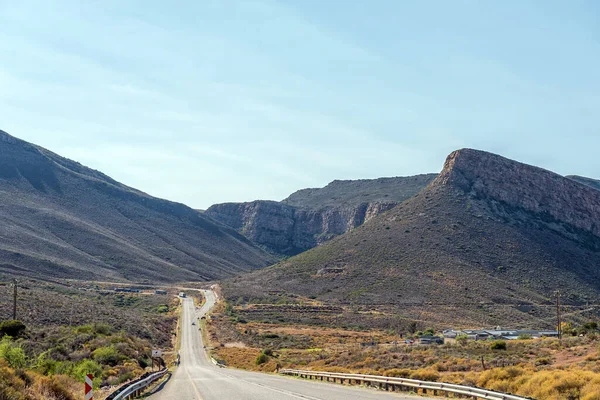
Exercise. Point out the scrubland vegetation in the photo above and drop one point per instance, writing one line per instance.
(48, 360)
(542, 369)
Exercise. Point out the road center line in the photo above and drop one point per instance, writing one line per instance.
(287, 392)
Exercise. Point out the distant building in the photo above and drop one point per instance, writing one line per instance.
(498, 333)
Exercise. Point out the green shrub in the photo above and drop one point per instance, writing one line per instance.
(543, 361)
(64, 368)
(85, 329)
(498, 345)
(462, 339)
(45, 364)
(12, 353)
(268, 352)
(87, 367)
(144, 362)
(262, 359)
(591, 326)
(525, 337)
(107, 355)
(125, 377)
(103, 329)
(162, 309)
(13, 328)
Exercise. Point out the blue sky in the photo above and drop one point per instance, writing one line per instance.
(213, 100)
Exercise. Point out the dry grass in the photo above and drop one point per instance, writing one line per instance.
(539, 369)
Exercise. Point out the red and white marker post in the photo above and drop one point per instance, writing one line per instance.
(89, 387)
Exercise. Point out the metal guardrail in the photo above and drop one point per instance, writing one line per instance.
(136, 387)
(391, 383)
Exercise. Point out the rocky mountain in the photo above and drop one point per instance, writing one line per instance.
(311, 217)
(61, 219)
(487, 243)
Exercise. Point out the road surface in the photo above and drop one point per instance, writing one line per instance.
(197, 378)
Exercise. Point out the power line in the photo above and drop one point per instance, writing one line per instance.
(558, 319)
(15, 299)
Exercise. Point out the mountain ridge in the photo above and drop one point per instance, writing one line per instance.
(310, 217)
(487, 243)
(64, 219)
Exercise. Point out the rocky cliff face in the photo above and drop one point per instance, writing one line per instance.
(289, 230)
(310, 217)
(536, 190)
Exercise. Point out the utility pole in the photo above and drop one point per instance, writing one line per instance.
(558, 321)
(15, 299)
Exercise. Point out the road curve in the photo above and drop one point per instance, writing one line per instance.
(197, 378)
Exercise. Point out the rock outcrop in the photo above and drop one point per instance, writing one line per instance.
(489, 176)
(311, 217)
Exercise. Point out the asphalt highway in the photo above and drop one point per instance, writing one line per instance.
(197, 378)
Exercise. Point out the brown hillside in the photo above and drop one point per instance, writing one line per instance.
(61, 219)
(487, 243)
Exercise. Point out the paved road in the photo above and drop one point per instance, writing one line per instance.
(197, 378)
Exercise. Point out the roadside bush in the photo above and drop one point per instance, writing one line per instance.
(425, 375)
(490, 378)
(262, 359)
(398, 373)
(556, 385)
